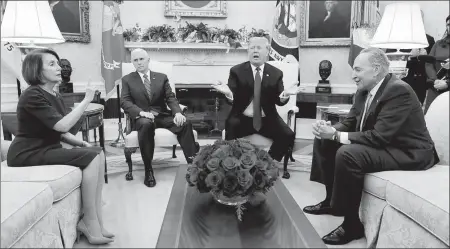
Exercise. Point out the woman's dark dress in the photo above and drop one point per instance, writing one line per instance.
(36, 143)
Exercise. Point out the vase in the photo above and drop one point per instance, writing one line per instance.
(230, 201)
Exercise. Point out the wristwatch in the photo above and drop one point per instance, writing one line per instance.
(336, 136)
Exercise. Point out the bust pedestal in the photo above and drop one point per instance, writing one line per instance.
(323, 86)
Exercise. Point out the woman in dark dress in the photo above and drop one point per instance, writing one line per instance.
(43, 124)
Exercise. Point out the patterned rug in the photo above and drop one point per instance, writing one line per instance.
(163, 158)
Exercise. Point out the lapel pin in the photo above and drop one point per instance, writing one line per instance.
(267, 74)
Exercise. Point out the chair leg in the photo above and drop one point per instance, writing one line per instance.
(128, 152)
(286, 174)
(290, 157)
(174, 148)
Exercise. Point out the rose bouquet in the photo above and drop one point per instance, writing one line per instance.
(233, 171)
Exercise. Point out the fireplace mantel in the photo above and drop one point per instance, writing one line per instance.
(168, 46)
(193, 63)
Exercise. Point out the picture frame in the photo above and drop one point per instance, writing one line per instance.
(72, 18)
(318, 28)
(214, 8)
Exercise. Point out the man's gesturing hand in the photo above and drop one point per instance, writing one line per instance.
(222, 88)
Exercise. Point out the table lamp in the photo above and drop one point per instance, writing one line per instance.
(401, 27)
(29, 23)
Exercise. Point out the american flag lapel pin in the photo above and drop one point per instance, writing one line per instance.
(267, 74)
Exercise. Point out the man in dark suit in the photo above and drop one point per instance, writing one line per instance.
(145, 97)
(384, 130)
(331, 24)
(254, 89)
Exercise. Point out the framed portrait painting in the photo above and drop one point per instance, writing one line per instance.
(72, 18)
(325, 23)
(214, 8)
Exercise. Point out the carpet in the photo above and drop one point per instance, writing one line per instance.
(163, 158)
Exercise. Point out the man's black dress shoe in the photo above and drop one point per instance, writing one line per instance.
(321, 208)
(149, 180)
(342, 236)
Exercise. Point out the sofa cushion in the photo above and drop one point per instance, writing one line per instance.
(375, 184)
(437, 119)
(23, 204)
(423, 196)
(63, 179)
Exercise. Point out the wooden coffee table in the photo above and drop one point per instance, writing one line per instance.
(195, 220)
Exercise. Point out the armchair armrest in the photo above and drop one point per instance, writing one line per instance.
(5, 146)
(291, 115)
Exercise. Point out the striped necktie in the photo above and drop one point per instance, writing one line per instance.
(147, 86)
(257, 101)
(366, 107)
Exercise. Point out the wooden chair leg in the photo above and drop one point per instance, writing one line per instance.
(128, 152)
(174, 148)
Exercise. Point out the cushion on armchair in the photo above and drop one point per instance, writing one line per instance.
(437, 119)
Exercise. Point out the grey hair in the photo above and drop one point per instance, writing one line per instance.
(377, 57)
(138, 50)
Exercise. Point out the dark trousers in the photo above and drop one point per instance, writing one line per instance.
(341, 168)
(274, 128)
(146, 136)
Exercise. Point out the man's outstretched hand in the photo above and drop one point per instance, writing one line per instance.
(222, 88)
(294, 89)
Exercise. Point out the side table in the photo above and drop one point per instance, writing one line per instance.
(333, 113)
(93, 119)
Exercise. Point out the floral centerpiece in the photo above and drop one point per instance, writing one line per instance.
(234, 172)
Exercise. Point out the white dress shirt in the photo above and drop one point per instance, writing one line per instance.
(142, 76)
(344, 135)
(249, 110)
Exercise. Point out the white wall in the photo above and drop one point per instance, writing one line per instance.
(149, 13)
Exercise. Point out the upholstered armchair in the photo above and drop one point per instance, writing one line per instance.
(286, 112)
(163, 137)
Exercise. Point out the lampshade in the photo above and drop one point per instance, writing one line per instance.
(30, 22)
(401, 27)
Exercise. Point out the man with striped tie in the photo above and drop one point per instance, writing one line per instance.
(145, 97)
(384, 130)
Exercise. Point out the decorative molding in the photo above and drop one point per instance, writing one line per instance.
(84, 36)
(170, 46)
(215, 9)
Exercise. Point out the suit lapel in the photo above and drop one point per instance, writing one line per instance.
(249, 76)
(376, 98)
(360, 101)
(140, 85)
(154, 81)
(265, 76)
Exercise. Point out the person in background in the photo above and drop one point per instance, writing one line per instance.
(43, 124)
(417, 77)
(441, 51)
(145, 97)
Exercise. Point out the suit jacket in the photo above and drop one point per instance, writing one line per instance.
(134, 97)
(395, 122)
(241, 83)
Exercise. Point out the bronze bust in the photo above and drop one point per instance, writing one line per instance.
(66, 71)
(324, 71)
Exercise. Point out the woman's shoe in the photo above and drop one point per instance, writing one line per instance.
(82, 229)
(107, 234)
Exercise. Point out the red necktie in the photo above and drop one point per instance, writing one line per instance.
(257, 101)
